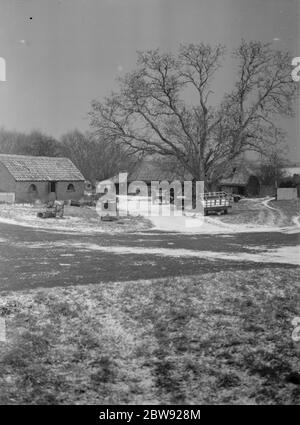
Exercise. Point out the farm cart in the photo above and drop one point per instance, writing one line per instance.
(218, 202)
(53, 210)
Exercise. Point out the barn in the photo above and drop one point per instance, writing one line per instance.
(33, 178)
(241, 181)
(153, 169)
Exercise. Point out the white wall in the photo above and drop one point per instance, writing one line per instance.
(7, 198)
(286, 193)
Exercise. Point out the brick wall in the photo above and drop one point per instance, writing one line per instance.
(64, 194)
(23, 195)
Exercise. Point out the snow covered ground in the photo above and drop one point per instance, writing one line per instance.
(76, 220)
(264, 218)
(209, 225)
(218, 225)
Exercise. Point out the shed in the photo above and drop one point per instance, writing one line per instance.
(242, 181)
(45, 178)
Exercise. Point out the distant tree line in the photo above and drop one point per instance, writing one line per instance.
(96, 158)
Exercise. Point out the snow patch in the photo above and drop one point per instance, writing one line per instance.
(283, 255)
(212, 226)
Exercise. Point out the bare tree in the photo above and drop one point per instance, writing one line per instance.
(150, 113)
(96, 158)
(271, 170)
(34, 143)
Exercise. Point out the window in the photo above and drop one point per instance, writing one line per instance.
(32, 188)
(71, 188)
(52, 188)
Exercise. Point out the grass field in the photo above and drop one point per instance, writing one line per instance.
(216, 338)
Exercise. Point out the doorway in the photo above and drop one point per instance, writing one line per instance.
(52, 188)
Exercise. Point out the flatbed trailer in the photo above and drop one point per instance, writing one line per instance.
(216, 202)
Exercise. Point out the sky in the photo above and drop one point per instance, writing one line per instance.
(61, 54)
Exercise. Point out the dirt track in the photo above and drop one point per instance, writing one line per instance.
(31, 258)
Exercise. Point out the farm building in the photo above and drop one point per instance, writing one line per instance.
(45, 178)
(240, 178)
(157, 170)
(241, 181)
(153, 169)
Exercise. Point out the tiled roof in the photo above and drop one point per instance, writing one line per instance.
(239, 177)
(41, 168)
(155, 170)
(150, 170)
